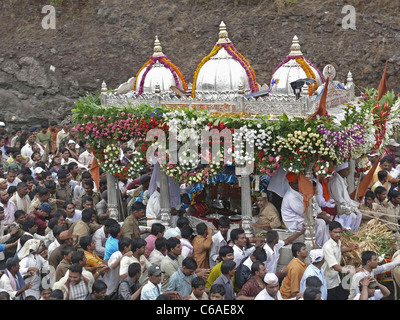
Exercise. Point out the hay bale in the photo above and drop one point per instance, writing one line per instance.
(373, 236)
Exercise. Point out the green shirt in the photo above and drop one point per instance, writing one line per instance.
(45, 139)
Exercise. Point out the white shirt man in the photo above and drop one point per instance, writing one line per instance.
(153, 208)
(241, 253)
(111, 278)
(21, 200)
(100, 238)
(218, 242)
(27, 149)
(273, 256)
(271, 289)
(293, 212)
(30, 259)
(86, 158)
(9, 207)
(347, 207)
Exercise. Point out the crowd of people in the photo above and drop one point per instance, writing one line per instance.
(58, 240)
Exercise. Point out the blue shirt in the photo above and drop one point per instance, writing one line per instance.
(150, 291)
(181, 283)
(111, 246)
(312, 270)
(2, 247)
(222, 279)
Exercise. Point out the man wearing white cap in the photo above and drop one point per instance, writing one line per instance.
(347, 207)
(315, 269)
(271, 288)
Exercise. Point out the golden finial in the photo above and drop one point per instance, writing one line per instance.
(157, 48)
(223, 34)
(295, 48)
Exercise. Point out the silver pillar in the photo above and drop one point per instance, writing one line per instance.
(164, 200)
(112, 197)
(309, 222)
(246, 206)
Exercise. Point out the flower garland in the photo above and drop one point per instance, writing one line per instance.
(363, 164)
(309, 73)
(381, 115)
(137, 74)
(109, 160)
(237, 56)
(213, 52)
(323, 169)
(300, 148)
(293, 143)
(267, 165)
(305, 64)
(230, 48)
(344, 144)
(176, 72)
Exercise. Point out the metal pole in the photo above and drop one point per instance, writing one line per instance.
(112, 197)
(164, 200)
(246, 206)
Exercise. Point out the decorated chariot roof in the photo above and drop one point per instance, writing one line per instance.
(293, 68)
(224, 69)
(158, 70)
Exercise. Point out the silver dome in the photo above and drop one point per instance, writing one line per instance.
(157, 74)
(222, 72)
(291, 71)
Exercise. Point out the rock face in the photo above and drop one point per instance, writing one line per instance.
(43, 72)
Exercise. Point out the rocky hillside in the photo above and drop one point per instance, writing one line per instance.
(42, 72)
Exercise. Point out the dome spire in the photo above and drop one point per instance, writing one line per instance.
(295, 47)
(157, 48)
(223, 34)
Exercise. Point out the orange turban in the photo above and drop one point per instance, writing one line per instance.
(290, 176)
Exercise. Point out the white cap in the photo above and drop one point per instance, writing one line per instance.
(2, 124)
(393, 142)
(71, 141)
(342, 166)
(39, 170)
(271, 278)
(316, 255)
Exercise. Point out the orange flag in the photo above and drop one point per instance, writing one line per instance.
(382, 89)
(306, 189)
(95, 172)
(364, 184)
(321, 111)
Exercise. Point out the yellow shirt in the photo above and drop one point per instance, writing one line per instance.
(215, 272)
(375, 178)
(291, 283)
(93, 259)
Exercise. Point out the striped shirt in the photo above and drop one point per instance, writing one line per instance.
(78, 291)
(150, 291)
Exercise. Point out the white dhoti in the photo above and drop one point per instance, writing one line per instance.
(351, 221)
(339, 193)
